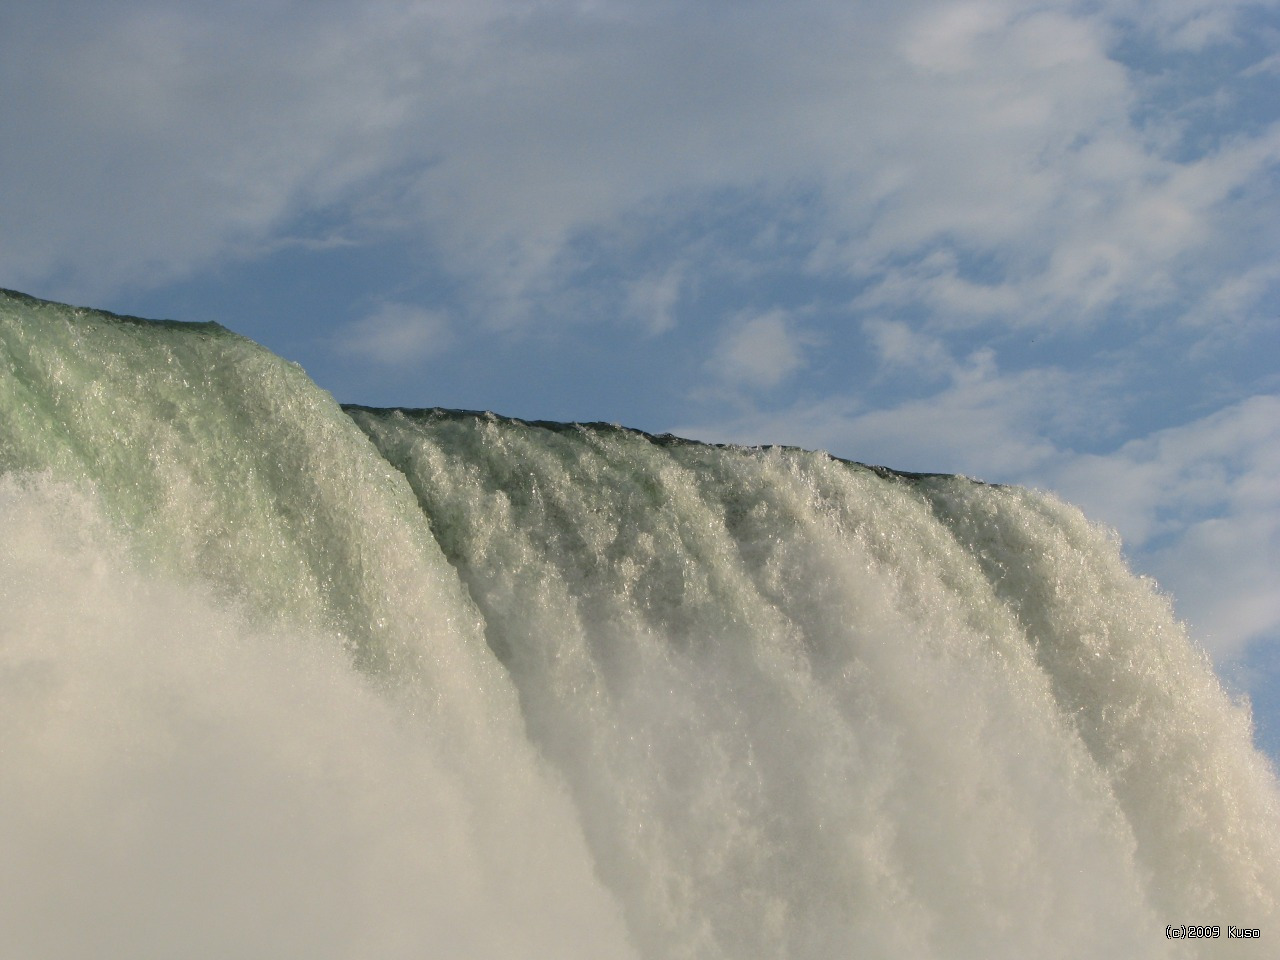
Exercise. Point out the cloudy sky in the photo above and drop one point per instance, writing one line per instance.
(1034, 242)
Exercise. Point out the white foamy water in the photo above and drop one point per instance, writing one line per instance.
(180, 781)
(280, 680)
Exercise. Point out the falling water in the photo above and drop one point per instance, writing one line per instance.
(280, 679)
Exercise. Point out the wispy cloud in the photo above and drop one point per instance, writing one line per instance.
(934, 136)
(395, 335)
(760, 351)
(652, 299)
(981, 422)
(900, 347)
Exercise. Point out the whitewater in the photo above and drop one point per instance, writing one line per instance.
(280, 678)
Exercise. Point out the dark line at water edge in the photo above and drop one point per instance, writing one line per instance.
(211, 328)
(431, 414)
(196, 326)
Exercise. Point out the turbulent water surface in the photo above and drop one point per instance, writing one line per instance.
(283, 679)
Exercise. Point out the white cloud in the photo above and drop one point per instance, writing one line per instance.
(983, 423)
(1269, 64)
(498, 132)
(901, 347)
(652, 299)
(395, 335)
(1183, 25)
(759, 351)
(150, 141)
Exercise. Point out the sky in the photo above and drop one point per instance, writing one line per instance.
(1032, 242)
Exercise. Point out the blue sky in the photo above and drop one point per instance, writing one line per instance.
(1034, 242)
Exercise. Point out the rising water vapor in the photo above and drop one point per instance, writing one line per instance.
(282, 679)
